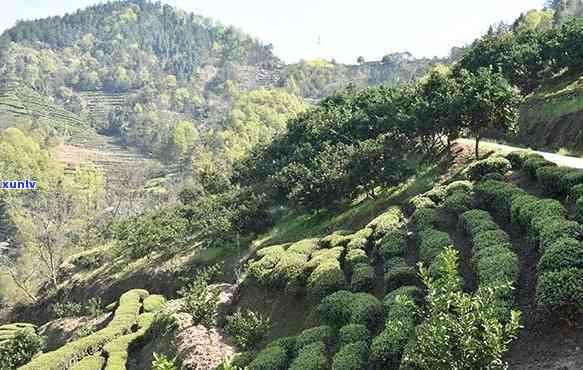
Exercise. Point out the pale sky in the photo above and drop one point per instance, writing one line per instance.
(346, 28)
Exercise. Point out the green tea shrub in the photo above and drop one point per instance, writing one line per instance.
(154, 303)
(419, 202)
(437, 194)
(117, 351)
(477, 221)
(532, 165)
(518, 158)
(561, 290)
(18, 346)
(161, 362)
(579, 210)
(561, 254)
(431, 243)
(242, 360)
(400, 276)
(200, 301)
(552, 229)
(271, 358)
(489, 239)
(425, 218)
(575, 193)
(570, 179)
(311, 357)
(363, 276)
(393, 244)
(247, 328)
(323, 334)
(287, 343)
(410, 291)
(326, 278)
(354, 257)
(359, 240)
(496, 196)
(459, 186)
(479, 169)
(351, 356)
(392, 219)
(307, 246)
(458, 203)
(164, 323)
(550, 178)
(353, 333)
(343, 307)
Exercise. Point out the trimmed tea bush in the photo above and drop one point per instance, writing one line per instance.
(550, 178)
(518, 158)
(326, 278)
(352, 356)
(410, 291)
(497, 196)
(575, 193)
(323, 334)
(561, 254)
(400, 276)
(311, 357)
(242, 360)
(343, 307)
(271, 358)
(459, 186)
(354, 257)
(117, 351)
(555, 228)
(479, 169)
(336, 239)
(353, 333)
(419, 202)
(425, 218)
(388, 221)
(362, 278)
(437, 194)
(562, 289)
(307, 246)
(154, 303)
(477, 221)
(532, 165)
(579, 210)
(458, 202)
(431, 243)
(359, 240)
(393, 244)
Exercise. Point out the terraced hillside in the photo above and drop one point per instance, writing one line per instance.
(99, 104)
(20, 101)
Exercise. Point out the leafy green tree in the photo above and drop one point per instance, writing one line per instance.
(461, 330)
(488, 102)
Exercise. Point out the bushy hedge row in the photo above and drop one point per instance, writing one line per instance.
(545, 222)
(497, 165)
(352, 333)
(558, 181)
(497, 196)
(532, 165)
(352, 356)
(424, 218)
(398, 274)
(311, 357)
(125, 317)
(519, 157)
(402, 316)
(493, 260)
(344, 307)
(19, 343)
(458, 202)
(94, 362)
(363, 276)
(390, 220)
(154, 303)
(393, 244)
(117, 351)
(431, 243)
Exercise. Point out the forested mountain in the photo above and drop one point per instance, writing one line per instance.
(137, 68)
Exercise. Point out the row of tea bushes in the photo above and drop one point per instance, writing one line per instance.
(493, 260)
(546, 224)
(125, 317)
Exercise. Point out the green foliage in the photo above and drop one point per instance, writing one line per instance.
(532, 165)
(92, 308)
(399, 276)
(161, 362)
(579, 210)
(162, 324)
(353, 333)
(479, 169)
(352, 356)
(271, 358)
(410, 291)
(355, 257)
(459, 186)
(461, 330)
(242, 360)
(424, 218)
(247, 328)
(390, 220)
(321, 334)
(420, 202)
(363, 276)
(154, 303)
(550, 178)
(497, 196)
(431, 243)
(561, 290)
(311, 357)
(23, 345)
(393, 244)
(518, 158)
(477, 221)
(125, 316)
(561, 254)
(458, 202)
(343, 307)
(199, 300)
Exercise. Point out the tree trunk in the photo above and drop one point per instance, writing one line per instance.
(477, 147)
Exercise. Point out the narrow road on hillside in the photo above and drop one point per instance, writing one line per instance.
(561, 160)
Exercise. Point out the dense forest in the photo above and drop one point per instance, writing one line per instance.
(344, 204)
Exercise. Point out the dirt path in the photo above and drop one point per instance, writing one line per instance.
(561, 160)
